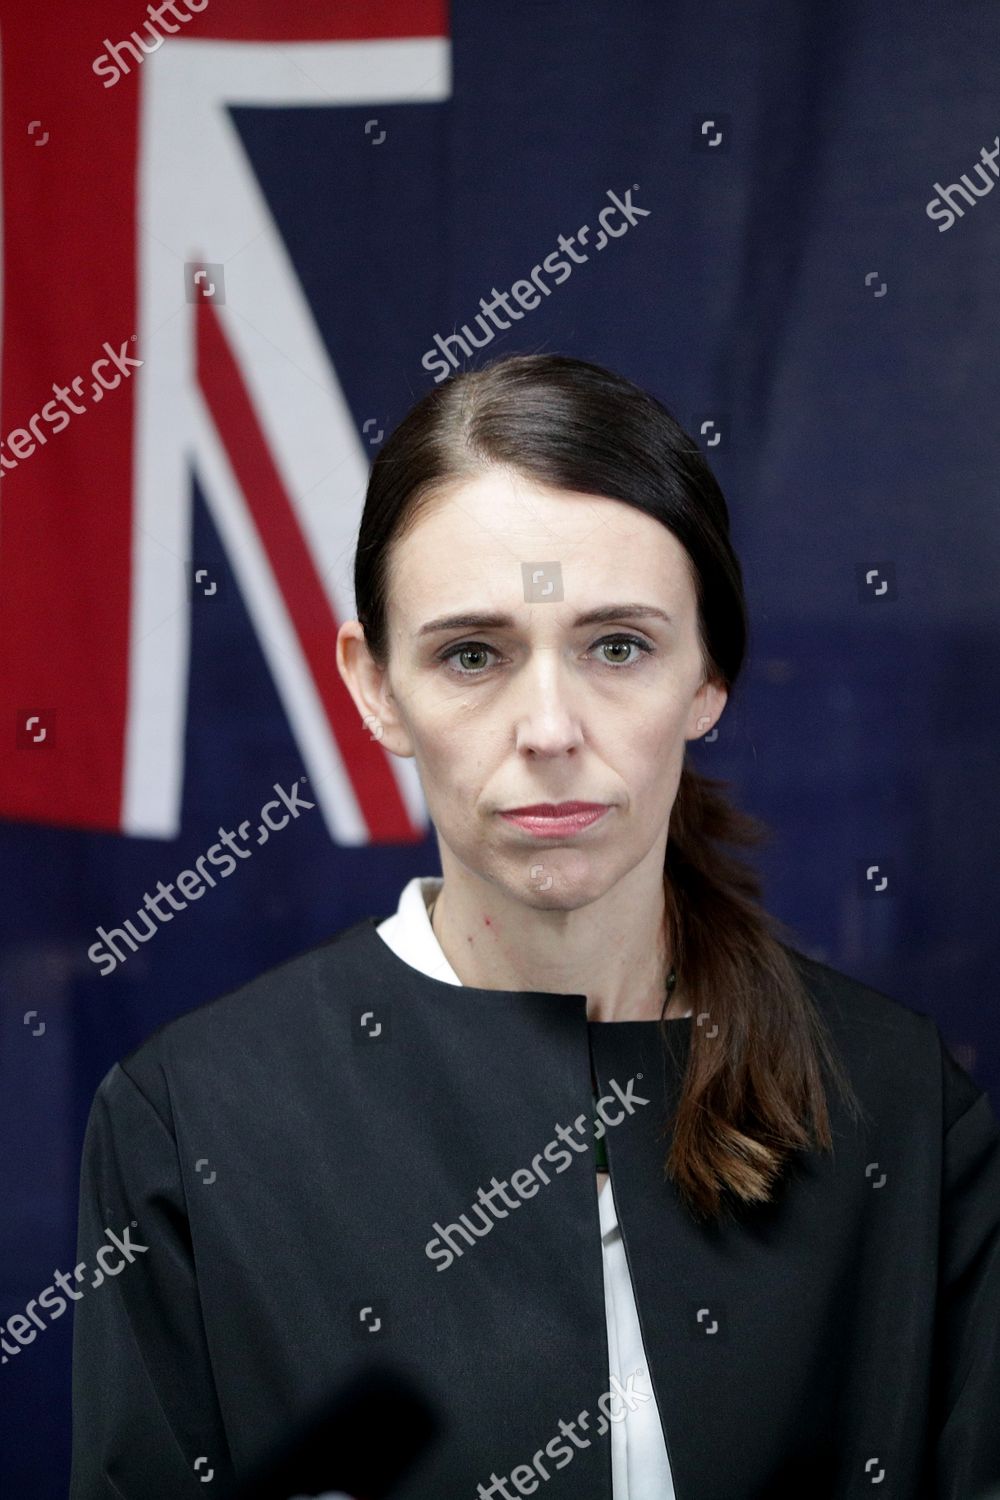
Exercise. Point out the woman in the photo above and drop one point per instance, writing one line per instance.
(788, 1277)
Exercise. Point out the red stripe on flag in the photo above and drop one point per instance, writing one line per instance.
(295, 571)
(319, 21)
(66, 509)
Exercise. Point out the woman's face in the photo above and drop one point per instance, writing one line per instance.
(539, 707)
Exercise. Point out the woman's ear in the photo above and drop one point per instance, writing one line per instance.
(706, 710)
(368, 685)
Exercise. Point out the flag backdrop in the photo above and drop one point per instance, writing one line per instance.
(236, 252)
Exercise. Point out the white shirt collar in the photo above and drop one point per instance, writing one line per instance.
(409, 932)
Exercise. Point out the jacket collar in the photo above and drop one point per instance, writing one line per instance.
(411, 938)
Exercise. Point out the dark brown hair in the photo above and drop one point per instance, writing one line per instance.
(753, 1091)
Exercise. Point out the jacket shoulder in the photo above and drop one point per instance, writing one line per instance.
(255, 1018)
(879, 1034)
(849, 1002)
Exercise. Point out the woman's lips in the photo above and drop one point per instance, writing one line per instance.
(546, 821)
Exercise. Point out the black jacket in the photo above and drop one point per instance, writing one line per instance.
(287, 1150)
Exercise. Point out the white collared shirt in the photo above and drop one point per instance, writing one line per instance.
(640, 1469)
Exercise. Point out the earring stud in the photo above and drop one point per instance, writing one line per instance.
(370, 720)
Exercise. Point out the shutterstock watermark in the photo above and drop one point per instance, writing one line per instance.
(109, 63)
(190, 883)
(523, 1476)
(528, 293)
(936, 208)
(58, 411)
(611, 1108)
(24, 1327)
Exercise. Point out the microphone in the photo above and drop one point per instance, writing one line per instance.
(357, 1445)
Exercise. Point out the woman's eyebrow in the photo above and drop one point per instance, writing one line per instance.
(600, 616)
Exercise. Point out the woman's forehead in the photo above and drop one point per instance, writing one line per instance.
(495, 526)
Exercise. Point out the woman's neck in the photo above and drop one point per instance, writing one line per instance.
(612, 950)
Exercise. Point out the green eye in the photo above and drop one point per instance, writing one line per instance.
(480, 649)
